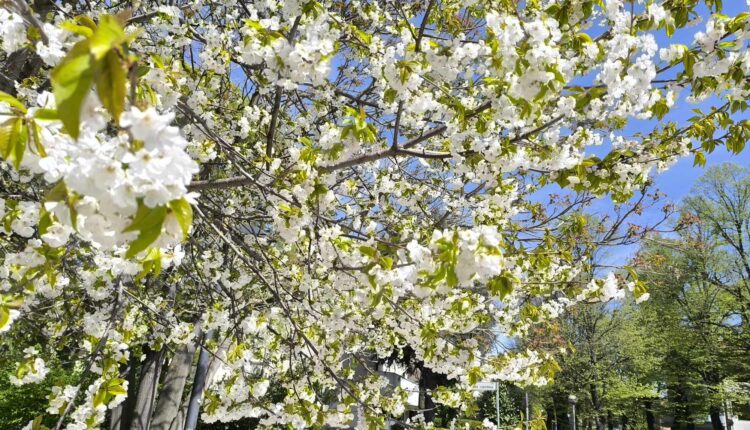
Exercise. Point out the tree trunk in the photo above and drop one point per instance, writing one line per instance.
(167, 411)
(428, 381)
(610, 421)
(199, 384)
(214, 362)
(596, 403)
(144, 402)
(122, 416)
(716, 418)
(429, 408)
(624, 421)
(595, 399)
(115, 417)
(650, 421)
(549, 421)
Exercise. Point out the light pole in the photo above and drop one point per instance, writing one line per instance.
(497, 403)
(573, 399)
(527, 410)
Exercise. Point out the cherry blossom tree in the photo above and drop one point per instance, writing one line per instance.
(295, 191)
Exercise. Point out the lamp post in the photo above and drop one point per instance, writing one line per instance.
(573, 399)
(527, 410)
(497, 403)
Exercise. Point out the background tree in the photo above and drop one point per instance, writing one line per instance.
(675, 355)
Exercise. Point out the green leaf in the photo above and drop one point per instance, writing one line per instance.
(640, 289)
(57, 193)
(110, 83)
(37, 424)
(151, 264)
(500, 286)
(148, 221)
(670, 28)
(86, 22)
(4, 316)
(107, 35)
(368, 251)
(450, 276)
(100, 397)
(688, 60)
(12, 101)
(36, 134)
(7, 135)
(584, 38)
(80, 30)
(45, 220)
(115, 387)
(700, 159)
(18, 148)
(118, 390)
(13, 137)
(46, 115)
(184, 214)
(386, 263)
(71, 81)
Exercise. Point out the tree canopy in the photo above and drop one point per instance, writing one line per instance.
(682, 354)
(297, 192)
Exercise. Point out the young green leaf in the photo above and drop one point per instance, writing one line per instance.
(109, 76)
(71, 81)
(108, 35)
(184, 214)
(4, 316)
(12, 101)
(13, 136)
(148, 221)
(46, 115)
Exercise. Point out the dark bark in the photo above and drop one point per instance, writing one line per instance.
(115, 417)
(549, 421)
(168, 406)
(127, 407)
(428, 381)
(199, 384)
(716, 418)
(683, 406)
(596, 403)
(624, 421)
(24, 62)
(12, 68)
(594, 390)
(144, 402)
(650, 420)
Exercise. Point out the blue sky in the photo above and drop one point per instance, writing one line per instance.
(677, 182)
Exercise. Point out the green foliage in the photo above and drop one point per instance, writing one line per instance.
(511, 406)
(95, 60)
(18, 405)
(71, 81)
(13, 137)
(684, 349)
(184, 213)
(148, 222)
